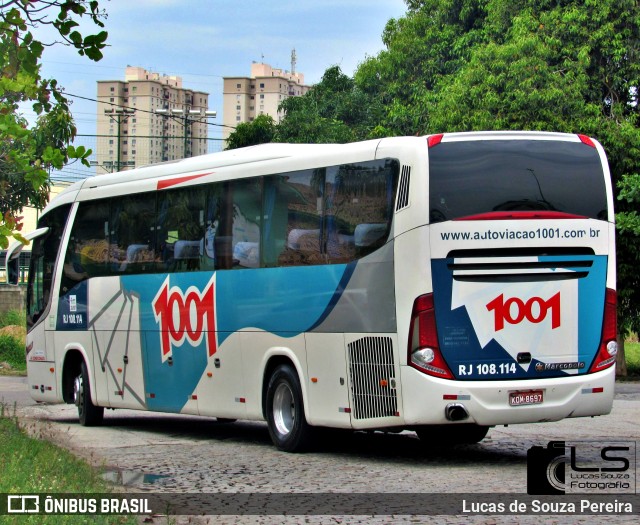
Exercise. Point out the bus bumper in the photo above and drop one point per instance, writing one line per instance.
(42, 379)
(487, 402)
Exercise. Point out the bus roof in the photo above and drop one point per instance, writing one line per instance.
(235, 157)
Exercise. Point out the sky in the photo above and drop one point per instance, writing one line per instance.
(203, 41)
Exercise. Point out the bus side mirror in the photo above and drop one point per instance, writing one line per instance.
(13, 269)
(12, 260)
(12, 263)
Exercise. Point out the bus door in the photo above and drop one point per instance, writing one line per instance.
(115, 331)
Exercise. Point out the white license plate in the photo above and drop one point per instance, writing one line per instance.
(528, 397)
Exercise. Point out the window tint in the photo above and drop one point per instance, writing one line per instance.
(469, 178)
(44, 254)
(298, 217)
(88, 249)
(180, 231)
(244, 204)
(337, 214)
(358, 208)
(319, 216)
(132, 235)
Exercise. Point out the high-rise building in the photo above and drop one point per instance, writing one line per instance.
(148, 118)
(244, 98)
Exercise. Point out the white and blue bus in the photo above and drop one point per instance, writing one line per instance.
(441, 284)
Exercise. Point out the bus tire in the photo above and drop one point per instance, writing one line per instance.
(287, 423)
(443, 435)
(89, 414)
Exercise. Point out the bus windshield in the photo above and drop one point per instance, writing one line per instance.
(475, 177)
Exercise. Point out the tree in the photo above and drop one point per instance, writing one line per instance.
(27, 154)
(558, 65)
(259, 131)
(432, 41)
(335, 110)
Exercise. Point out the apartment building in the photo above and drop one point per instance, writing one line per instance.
(244, 98)
(148, 118)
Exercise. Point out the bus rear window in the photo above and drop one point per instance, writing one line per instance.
(475, 177)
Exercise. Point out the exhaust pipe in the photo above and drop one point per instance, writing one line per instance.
(456, 412)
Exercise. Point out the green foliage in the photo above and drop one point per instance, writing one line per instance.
(469, 65)
(33, 466)
(28, 153)
(13, 318)
(12, 352)
(259, 131)
(632, 352)
(333, 111)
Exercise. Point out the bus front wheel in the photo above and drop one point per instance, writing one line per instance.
(88, 413)
(288, 426)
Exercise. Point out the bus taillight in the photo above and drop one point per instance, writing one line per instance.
(608, 344)
(424, 350)
(587, 140)
(434, 140)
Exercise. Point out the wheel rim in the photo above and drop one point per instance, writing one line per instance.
(283, 409)
(77, 391)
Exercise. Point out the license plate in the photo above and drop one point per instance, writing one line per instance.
(529, 397)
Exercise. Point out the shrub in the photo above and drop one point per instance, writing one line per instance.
(12, 352)
(13, 317)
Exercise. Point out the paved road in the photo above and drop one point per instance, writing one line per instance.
(164, 453)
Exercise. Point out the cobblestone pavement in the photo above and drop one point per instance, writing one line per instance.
(183, 454)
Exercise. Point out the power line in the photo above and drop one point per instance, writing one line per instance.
(149, 137)
(113, 104)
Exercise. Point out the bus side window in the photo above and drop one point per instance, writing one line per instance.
(43, 262)
(215, 249)
(132, 240)
(88, 248)
(358, 208)
(180, 230)
(301, 193)
(246, 210)
(274, 223)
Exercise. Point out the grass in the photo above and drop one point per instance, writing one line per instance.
(12, 339)
(12, 352)
(13, 318)
(31, 466)
(632, 356)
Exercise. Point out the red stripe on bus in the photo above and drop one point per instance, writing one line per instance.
(519, 215)
(163, 184)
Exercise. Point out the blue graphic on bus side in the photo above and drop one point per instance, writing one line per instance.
(72, 309)
(283, 301)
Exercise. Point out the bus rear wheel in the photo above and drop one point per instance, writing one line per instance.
(443, 435)
(287, 424)
(89, 414)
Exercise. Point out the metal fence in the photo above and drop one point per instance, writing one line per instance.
(23, 276)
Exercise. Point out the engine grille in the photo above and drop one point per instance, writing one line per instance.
(372, 374)
(403, 188)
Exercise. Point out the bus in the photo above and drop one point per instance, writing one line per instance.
(442, 284)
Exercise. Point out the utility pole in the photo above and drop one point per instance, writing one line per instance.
(119, 115)
(187, 117)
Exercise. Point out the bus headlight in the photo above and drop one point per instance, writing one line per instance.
(612, 348)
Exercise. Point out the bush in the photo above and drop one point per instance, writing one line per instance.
(12, 352)
(13, 317)
(632, 356)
